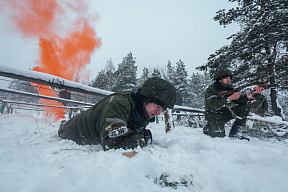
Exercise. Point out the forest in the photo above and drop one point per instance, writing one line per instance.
(257, 54)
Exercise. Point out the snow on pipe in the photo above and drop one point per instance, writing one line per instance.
(50, 80)
(188, 109)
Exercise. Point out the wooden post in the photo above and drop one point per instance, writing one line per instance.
(168, 120)
(8, 108)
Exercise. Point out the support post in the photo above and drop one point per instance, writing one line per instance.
(70, 113)
(168, 120)
(3, 107)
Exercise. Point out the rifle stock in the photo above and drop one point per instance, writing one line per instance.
(225, 93)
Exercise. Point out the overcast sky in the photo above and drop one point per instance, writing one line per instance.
(154, 31)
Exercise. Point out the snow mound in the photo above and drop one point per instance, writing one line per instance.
(33, 158)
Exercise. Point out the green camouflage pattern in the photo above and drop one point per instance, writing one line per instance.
(159, 90)
(89, 126)
(222, 73)
(217, 114)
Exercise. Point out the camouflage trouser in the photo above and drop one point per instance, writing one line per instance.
(217, 121)
(73, 134)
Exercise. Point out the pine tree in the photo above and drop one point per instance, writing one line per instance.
(101, 80)
(145, 75)
(258, 48)
(170, 72)
(126, 74)
(104, 79)
(180, 81)
(110, 69)
(156, 73)
(197, 87)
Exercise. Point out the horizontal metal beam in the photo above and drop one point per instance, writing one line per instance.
(49, 80)
(44, 97)
(187, 109)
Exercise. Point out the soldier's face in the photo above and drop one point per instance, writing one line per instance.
(226, 80)
(153, 109)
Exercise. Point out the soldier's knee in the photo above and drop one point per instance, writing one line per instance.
(218, 133)
(213, 131)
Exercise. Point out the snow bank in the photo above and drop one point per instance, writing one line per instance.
(33, 158)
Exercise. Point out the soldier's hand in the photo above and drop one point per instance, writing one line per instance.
(257, 90)
(234, 96)
(147, 136)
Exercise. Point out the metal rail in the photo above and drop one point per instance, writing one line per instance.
(44, 97)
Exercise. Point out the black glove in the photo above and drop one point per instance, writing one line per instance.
(139, 130)
(147, 136)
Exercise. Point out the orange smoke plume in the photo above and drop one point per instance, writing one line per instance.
(34, 18)
(53, 112)
(66, 56)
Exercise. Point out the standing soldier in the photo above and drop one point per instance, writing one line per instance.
(217, 110)
(120, 119)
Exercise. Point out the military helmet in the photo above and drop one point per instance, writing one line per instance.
(223, 73)
(160, 90)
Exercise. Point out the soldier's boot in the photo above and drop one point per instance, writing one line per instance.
(234, 130)
(234, 133)
(238, 124)
(207, 129)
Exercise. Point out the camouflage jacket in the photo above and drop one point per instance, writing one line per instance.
(119, 108)
(215, 105)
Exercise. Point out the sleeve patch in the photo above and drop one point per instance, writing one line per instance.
(121, 131)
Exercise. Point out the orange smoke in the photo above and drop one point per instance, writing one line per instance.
(34, 18)
(52, 112)
(66, 56)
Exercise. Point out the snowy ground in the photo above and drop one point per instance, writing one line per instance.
(33, 159)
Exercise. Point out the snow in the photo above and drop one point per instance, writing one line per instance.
(272, 119)
(33, 158)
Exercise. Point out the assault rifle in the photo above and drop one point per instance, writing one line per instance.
(248, 90)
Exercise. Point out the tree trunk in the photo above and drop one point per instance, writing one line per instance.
(275, 108)
(271, 67)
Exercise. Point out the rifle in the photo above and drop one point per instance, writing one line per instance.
(248, 90)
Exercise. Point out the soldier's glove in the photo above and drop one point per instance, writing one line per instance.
(139, 130)
(147, 136)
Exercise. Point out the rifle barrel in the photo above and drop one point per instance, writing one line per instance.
(267, 86)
